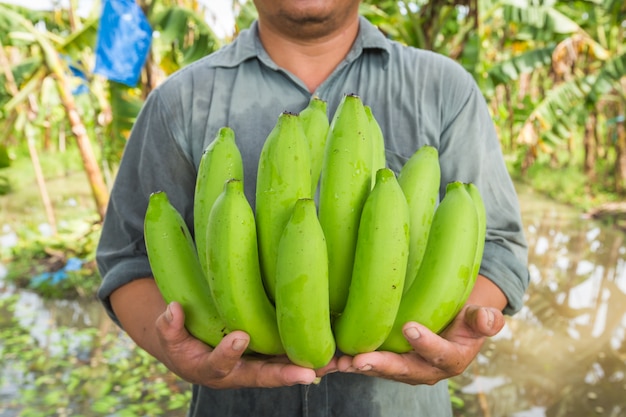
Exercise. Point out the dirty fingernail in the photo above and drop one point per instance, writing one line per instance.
(239, 345)
(412, 333)
(168, 314)
(490, 318)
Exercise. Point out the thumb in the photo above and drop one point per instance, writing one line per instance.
(485, 321)
(171, 324)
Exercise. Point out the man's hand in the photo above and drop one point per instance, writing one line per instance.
(226, 366)
(159, 329)
(434, 357)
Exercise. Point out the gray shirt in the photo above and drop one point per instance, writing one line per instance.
(418, 97)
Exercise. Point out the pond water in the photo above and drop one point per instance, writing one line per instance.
(564, 354)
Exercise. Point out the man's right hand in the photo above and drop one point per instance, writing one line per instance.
(159, 329)
(225, 366)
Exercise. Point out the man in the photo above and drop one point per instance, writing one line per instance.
(295, 50)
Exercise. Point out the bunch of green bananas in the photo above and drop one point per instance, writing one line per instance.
(306, 279)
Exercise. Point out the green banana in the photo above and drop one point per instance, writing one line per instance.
(378, 143)
(302, 308)
(445, 271)
(284, 176)
(382, 252)
(315, 123)
(420, 178)
(177, 270)
(234, 273)
(344, 185)
(220, 162)
(473, 191)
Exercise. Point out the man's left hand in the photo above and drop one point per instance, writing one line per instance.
(434, 357)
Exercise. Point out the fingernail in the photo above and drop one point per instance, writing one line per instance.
(239, 345)
(365, 368)
(168, 314)
(490, 318)
(412, 333)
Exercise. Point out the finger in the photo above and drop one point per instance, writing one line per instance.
(381, 363)
(171, 324)
(485, 321)
(328, 368)
(227, 354)
(431, 360)
(344, 363)
(230, 365)
(436, 351)
(408, 368)
(285, 374)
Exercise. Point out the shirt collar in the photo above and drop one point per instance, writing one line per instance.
(247, 45)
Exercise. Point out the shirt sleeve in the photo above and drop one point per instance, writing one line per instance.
(152, 161)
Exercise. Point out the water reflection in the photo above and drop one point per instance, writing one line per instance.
(564, 353)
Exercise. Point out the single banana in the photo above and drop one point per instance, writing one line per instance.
(420, 179)
(234, 272)
(344, 185)
(473, 191)
(302, 308)
(378, 143)
(445, 271)
(382, 252)
(177, 270)
(284, 176)
(314, 118)
(220, 162)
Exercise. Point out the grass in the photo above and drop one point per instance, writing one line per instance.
(567, 184)
(67, 187)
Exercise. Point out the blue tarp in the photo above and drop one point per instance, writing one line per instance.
(54, 278)
(124, 37)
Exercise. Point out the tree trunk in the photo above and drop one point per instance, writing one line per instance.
(590, 145)
(620, 162)
(41, 182)
(90, 163)
(149, 79)
(54, 63)
(99, 189)
(510, 117)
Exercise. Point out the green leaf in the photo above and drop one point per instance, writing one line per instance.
(5, 160)
(544, 20)
(185, 30)
(505, 71)
(105, 405)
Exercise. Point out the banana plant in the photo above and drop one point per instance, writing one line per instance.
(574, 54)
(445, 26)
(111, 108)
(45, 49)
